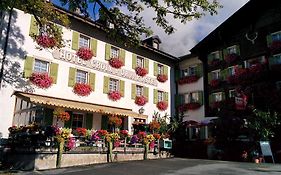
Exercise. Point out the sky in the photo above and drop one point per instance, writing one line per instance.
(189, 34)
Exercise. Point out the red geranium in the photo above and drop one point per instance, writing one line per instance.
(140, 100)
(42, 80)
(141, 135)
(115, 120)
(81, 131)
(116, 63)
(215, 83)
(46, 41)
(188, 79)
(162, 105)
(232, 57)
(193, 105)
(162, 78)
(84, 53)
(114, 95)
(124, 133)
(154, 125)
(157, 136)
(275, 46)
(215, 62)
(82, 89)
(141, 71)
(102, 133)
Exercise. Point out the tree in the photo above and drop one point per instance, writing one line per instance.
(128, 25)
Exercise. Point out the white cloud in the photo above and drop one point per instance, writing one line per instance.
(189, 34)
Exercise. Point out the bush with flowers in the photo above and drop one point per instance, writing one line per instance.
(162, 105)
(134, 139)
(116, 63)
(140, 100)
(41, 80)
(232, 57)
(157, 136)
(162, 78)
(123, 134)
(141, 71)
(84, 53)
(154, 125)
(114, 95)
(46, 41)
(82, 89)
(70, 144)
(148, 139)
(112, 137)
(188, 79)
(141, 135)
(114, 120)
(102, 133)
(275, 47)
(81, 131)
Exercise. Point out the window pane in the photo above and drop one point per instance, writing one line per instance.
(114, 52)
(215, 75)
(195, 97)
(160, 96)
(276, 36)
(185, 72)
(40, 66)
(277, 59)
(231, 50)
(84, 41)
(186, 98)
(81, 76)
(191, 70)
(139, 90)
(160, 69)
(218, 97)
(140, 62)
(77, 121)
(231, 93)
(113, 85)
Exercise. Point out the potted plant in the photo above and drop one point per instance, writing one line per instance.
(82, 89)
(41, 80)
(116, 63)
(114, 95)
(141, 71)
(140, 100)
(84, 53)
(46, 41)
(188, 79)
(162, 78)
(162, 105)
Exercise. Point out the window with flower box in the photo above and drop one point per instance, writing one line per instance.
(140, 61)
(80, 41)
(84, 41)
(41, 66)
(77, 121)
(249, 63)
(231, 71)
(114, 52)
(215, 55)
(231, 49)
(217, 96)
(140, 90)
(113, 85)
(215, 75)
(189, 71)
(81, 76)
(231, 93)
(160, 96)
(276, 36)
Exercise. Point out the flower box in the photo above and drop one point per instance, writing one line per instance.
(232, 57)
(162, 105)
(116, 63)
(188, 79)
(215, 83)
(81, 131)
(141, 71)
(46, 41)
(82, 89)
(275, 47)
(114, 95)
(215, 62)
(140, 100)
(162, 78)
(84, 53)
(41, 80)
(193, 105)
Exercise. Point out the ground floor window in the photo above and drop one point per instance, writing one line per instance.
(77, 121)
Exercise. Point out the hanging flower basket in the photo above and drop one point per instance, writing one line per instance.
(162, 78)
(188, 79)
(85, 53)
(116, 63)
(141, 71)
(60, 114)
(275, 47)
(114, 95)
(162, 105)
(193, 105)
(41, 80)
(215, 83)
(115, 120)
(230, 58)
(46, 41)
(140, 100)
(82, 89)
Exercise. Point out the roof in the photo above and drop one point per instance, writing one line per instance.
(186, 57)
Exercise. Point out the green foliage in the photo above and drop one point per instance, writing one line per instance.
(128, 23)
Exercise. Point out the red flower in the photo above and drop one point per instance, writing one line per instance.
(63, 116)
(124, 133)
(188, 79)
(102, 133)
(162, 78)
(115, 120)
(162, 105)
(114, 95)
(141, 71)
(82, 89)
(215, 62)
(141, 135)
(116, 63)
(193, 105)
(275, 46)
(157, 136)
(154, 125)
(140, 100)
(41, 80)
(215, 83)
(232, 57)
(81, 131)
(84, 53)
(46, 41)
(232, 79)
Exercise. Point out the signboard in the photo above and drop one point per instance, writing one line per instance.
(265, 149)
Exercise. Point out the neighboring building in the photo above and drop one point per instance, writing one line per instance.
(23, 103)
(242, 59)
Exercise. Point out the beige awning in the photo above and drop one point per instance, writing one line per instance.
(77, 105)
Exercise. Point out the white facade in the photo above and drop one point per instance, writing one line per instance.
(20, 45)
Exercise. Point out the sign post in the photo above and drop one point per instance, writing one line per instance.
(266, 150)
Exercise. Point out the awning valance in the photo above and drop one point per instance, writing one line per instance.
(77, 105)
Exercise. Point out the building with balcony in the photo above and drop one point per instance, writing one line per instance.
(131, 83)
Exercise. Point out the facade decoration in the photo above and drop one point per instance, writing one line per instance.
(116, 63)
(82, 89)
(162, 105)
(162, 78)
(41, 80)
(114, 95)
(141, 71)
(140, 100)
(84, 53)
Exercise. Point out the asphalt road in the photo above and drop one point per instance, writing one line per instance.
(173, 166)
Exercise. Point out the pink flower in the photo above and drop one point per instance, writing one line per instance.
(230, 58)
(41, 80)
(141, 71)
(116, 63)
(215, 83)
(193, 105)
(140, 100)
(188, 79)
(162, 105)
(114, 95)
(162, 78)
(82, 89)
(85, 53)
(70, 143)
(46, 41)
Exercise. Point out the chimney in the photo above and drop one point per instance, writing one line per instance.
(153, 42)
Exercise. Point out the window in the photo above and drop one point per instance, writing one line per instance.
(215, 55)
(186, 98)
(278, 85)
(81, 76)
(139, 90)
(217, 96)
(192, 70)
(140, 62)
(160, 69)
(160, 96)
(40, 66)
(276, 36)
(215, 74)
(231, 70)
(231, 49)
(253, 61)
(155, 45)
(84, 41)
(184, 72)
(114, 52)
(194, 97)
(277, 59)
(231, 93)
(113, 85)
(77, 121)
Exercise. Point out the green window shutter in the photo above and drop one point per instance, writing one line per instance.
(221, 55)
(134, 91)
(146, 93)
(178, 99)
(224, 53)
(75, 40)
(48, 118)
(271, 60)
(177, 74)
(68, 124)
(210, 58)
(104, 122)
(200, 95)
(155, 96)
(166, 71)
(54, 72)
(71, 77)
(123, 56)
(211, 99)
(155, 69)
(107, 51)
(134, 61)
(223, 95)
(122, 87)
(199, 70)
(94, 44)
(34, 28)
(89, 121)
(237, 50)
(224, 74)
(209, 77)
(92, 78)
(146, 64)
(28, 66)
(269, 39)
(166, 96)
(106, 85)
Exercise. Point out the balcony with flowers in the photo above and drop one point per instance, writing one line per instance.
(190, 101)
(215, 60)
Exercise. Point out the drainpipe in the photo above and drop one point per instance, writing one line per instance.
(5, 47)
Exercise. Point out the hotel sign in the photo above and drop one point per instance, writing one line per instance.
(71, 57)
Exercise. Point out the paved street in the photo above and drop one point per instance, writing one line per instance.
(174, 166)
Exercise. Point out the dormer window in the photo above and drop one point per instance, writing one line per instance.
(155, 45)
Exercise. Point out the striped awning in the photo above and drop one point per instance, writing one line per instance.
(77, 105)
